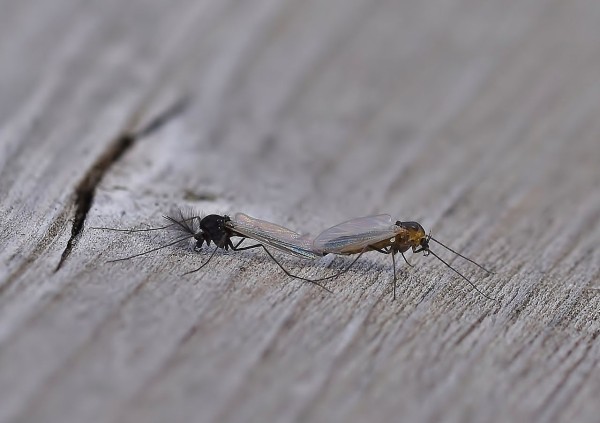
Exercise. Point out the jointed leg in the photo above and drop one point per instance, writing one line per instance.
(204, 264)
(237, 248)
(213, 253)
(394, 267)
(404, 257)
(315, 281)
(368, 248)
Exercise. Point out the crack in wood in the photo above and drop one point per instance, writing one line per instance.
(86, 189)
(163, 118)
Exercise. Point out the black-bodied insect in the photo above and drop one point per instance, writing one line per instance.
(220, 229)
(379, 233)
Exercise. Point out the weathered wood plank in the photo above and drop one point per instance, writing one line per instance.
(479, 120)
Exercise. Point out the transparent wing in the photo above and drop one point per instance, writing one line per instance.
(355, 234)
(274, 235)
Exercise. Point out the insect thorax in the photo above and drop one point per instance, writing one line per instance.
(213, 229)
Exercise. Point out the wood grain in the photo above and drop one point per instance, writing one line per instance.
(478, 119)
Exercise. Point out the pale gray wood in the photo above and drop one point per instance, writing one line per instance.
(478, 119)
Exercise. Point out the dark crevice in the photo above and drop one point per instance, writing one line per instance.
(161, 119)
(86, 189)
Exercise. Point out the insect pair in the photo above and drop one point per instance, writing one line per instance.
(356, 236)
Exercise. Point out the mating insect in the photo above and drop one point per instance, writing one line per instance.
(355, 236)
(378, 233)
(221, 229)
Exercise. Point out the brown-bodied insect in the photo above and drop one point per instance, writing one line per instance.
(379, 233)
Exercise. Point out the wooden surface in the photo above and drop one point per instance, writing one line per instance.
(478, 119)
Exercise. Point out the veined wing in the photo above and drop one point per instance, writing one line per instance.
(355, 234)
(274, 235)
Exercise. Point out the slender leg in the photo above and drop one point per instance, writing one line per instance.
(316, 282)
(306, 279)
(236, 245)
(213, 253)
(203, 264)
(345, 269)
(383, 251)
(394, 267)
(404, 257)
(389, 250)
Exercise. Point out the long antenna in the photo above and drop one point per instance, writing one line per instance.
(182, 223)
(169, 218)
(460, 255)
(463, 276)
(132, 230)
(152, 250)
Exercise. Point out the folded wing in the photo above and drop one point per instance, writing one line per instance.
(274, 235)
(356, 234)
